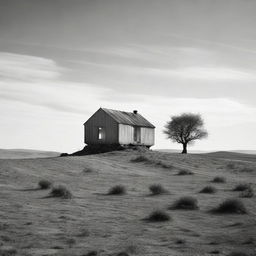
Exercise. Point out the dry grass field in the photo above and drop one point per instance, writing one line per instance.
(25, 153)
(96, 222)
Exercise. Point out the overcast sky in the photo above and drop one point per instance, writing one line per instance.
(60, 60)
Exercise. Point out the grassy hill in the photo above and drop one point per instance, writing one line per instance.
(26, 153)
(32, 223)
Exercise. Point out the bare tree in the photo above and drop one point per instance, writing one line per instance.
(185, 129)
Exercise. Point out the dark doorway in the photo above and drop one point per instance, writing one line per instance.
(136, 134)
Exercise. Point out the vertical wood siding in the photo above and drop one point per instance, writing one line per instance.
(101, 119)
(126, 135)
(147, 136)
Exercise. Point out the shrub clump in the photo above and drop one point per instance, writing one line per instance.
(61, 191)
(208, 190)
(219, 179)
(237, 253)
(185, 172)
(230, 206)
(163, 165)
(44, 184)
(122, 254)
(246, 169)
(140, 159)
(248, 193)
(88, 170)
(180, 241)
(157, 189)
(91, 253)
(185, 203)
(117, 190)
(158, 216)
(242, 187)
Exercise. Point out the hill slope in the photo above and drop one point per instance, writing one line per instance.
(33, 224)
(26, 153)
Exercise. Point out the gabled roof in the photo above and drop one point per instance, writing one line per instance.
(129, 118)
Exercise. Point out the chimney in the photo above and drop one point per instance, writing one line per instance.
(135, 112)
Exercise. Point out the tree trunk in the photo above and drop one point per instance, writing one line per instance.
(184, 151)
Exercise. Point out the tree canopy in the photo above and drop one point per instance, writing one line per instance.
(185, 129)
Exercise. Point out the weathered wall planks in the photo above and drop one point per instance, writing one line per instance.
(100, 119)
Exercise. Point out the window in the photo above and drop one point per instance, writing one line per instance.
(101, 133)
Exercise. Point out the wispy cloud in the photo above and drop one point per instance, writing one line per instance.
(205, 73)
(27, 68)
(38, 82)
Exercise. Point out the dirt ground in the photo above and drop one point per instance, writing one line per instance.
(33, 224)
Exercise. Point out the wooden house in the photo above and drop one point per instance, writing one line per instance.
(107, 126)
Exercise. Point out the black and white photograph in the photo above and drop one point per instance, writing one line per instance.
(127, 127)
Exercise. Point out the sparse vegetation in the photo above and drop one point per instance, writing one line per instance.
(248, 193)
(71, 242)
(180, 241)
(185, 172)
(61, 191)
(246, 169)
(91, 253)
(238, 253)
(219, 179)
(145, 159)
(208, 190)
(157, 189)
(8, 251)
(240, 167)
(140, 159)
(132, 249)
(44, 184)
(231, 166)
(83, 233)
(122, 254)
(230, 206)
(87, 170)
(163, 165)
(158, 216)
(90, 178)
(117, 190)
(242, 187)
(185, 203)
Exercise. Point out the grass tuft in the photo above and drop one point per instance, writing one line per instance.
(180, 241)
(185, 172)
(231, 166)
(246, 169)
(157, 189)
(219, 179)
(88, 170)
(185, 203)
(242, 187)
(117, 190)
(61, 191)
(140, 159)
(158, 216)
(44, 184)
(230, 206)
(8, 251)
(122, 254)
(163, 165)
(208, 190)
(248, 193)
(91, 253)
(238, 253)
(157, 163)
